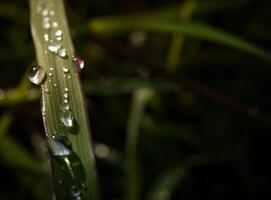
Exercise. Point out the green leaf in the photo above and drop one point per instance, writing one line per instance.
(73, 169)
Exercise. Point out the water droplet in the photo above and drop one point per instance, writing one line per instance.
(45, 12)
(78, 64)
(37, 75)
(51, 69)
(52, 13)
(55, 24)
(65, 69)
(64, 107)
(66, 90)
(62, 53)
(55, 84)
(59, 145)
(58, 33)
(50, 74)
(65, 100)
(46, 19)
(46, 25)
(46, 37)
(75, 191)
(46, 90)
(66, 117)
(54, 49)
(69, 77)
(65, 95)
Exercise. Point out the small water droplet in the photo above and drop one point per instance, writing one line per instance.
(66, 90)
(46, 90)
(65, 69)
(78, 64)
(54, 48)
(46, 37)
(46, 19)
(37, 75)
(45, 12)
(65, 95)
(59, 145)
(46, 25)
(69, 77)
(76, 192)
(52, 13)
(62, 53)
(64, 107)
(66, 117)
(55, 24)
(55, 84)
(65, 100)
(50, 74)
(59, 35)
(51, 69)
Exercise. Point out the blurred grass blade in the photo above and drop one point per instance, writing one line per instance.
(63, 109)
(177, 42)
(197, 30)
(140, 98)
(166, 183)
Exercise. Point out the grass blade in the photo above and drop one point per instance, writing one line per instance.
(196, 30)
(67, 130)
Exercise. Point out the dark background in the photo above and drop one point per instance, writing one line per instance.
(204, 134)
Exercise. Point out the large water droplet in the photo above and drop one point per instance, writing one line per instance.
(59, 145)
(66, 117)
(37, 75)
(78, 64)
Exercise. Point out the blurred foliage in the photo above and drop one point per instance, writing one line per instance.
(169, 121)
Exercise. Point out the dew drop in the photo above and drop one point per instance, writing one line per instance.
(46, 90)
(59, 35)
(65, 95)
(75, 191)
(65, 100)
(66, 90)
(62, 53)
(55, 24)
(51, 69)
(46, 25)
(45, 12)
(69, 77)
(46, 37)
(59, 145)
(64, 107)
(52, 13)
(66, 117)
(46, 19)
(55, 84)
(37, 75)
(65, 69)
(78, 64)
(50, 74)
(54, 49)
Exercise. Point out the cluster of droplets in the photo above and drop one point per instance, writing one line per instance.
(68, 166)
(53, 35)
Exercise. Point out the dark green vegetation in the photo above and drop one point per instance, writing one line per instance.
(177, 93)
